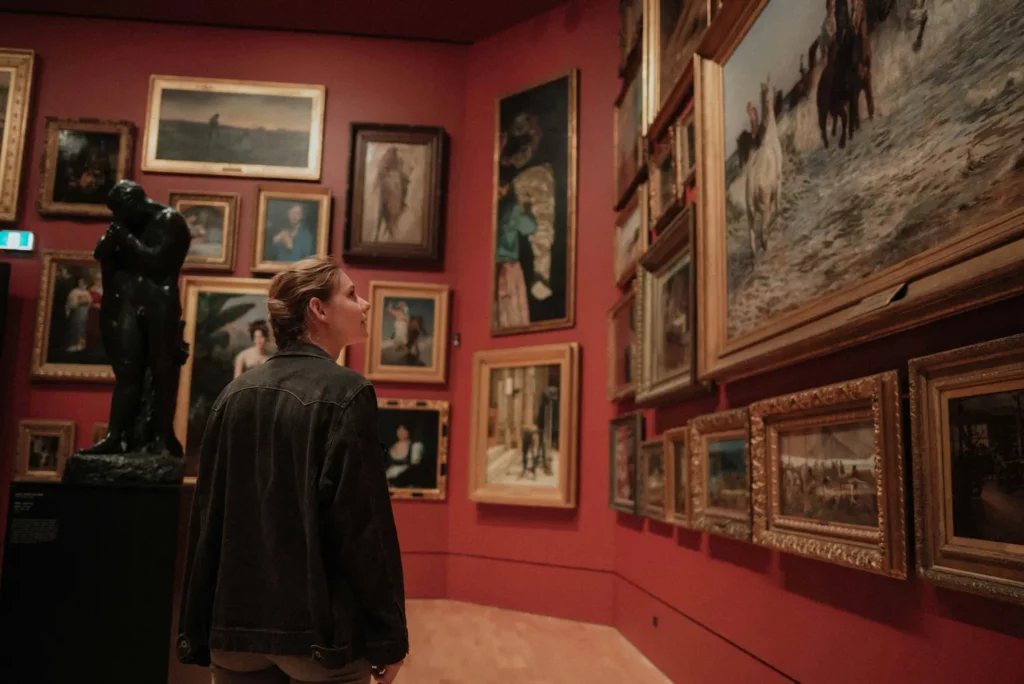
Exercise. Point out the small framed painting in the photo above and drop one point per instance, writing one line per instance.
(68, 345)
(720, 488)
(967, 416)
(82, 161)
(622, 348)
(409, 332)
(213, 222)
(414, 435)
(626, 435)
(652, 479)
(16, 69)
(665, 190)
(629, 143)
(524, 430)
(827, 475)
(396, 195)
(44, 447)
(631, 236)
(291, 224)
(685, 138)
(676, 451)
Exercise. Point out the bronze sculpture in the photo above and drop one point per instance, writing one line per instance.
(140, 256)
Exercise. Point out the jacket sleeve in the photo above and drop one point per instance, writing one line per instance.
(363, 526)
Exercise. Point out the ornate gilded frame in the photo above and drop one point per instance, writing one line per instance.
(623, 273)
(981, 567)
(677, 458)
(725, 522)
(440, 492)
(45, 204)
(649, 448)
(881, 549)
(617, 392)
(41, 368)
(977, 266)
(64, 430)
(563, 495)
(634, 420)
(151, 163)
(321, 195)
(436, 371)
(20, 65)
(226, 201)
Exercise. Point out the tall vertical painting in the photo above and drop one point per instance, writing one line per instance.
(862, 172)
(533, 283)
(16, 68)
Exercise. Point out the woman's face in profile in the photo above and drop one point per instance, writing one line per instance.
(403, 433)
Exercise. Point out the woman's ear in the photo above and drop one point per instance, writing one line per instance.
(316, 308)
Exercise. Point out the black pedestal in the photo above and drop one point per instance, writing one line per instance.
(87, 583)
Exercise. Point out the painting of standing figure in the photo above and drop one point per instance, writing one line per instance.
(534, 242)
(408, 332)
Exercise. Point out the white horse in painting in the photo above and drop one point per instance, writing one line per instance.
(764, 173)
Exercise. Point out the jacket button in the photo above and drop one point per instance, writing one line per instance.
(318, 654)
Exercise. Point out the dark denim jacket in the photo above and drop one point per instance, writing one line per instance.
(292, 545)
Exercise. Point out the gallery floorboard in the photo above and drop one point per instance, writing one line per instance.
(462, 643)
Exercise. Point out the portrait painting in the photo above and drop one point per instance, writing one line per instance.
(217, 127)
(676, 450)
(16, 69)
(409, 332)
(629, 127)
(44, 447)
(414, 436)
(534, 268)
(721, 468)
(622, 348)
(631, 236)
(827, 474)
(967, 426)
(524, 426)
(850, 100)
(213, 223)
(626, 434)
(291, 224)
(652, 479)
(68, 343)
(396, 195)
(83, 160)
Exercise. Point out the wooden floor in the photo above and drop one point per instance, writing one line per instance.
(462, 643)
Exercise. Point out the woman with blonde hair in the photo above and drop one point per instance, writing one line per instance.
(293, 572)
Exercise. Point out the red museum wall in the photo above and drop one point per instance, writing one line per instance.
(726, 611)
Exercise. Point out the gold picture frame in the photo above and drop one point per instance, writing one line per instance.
(60, 436)
(277, 204)
(684, 134)
(859, 422)
(63, 193)
(665, 99)
(438, 489)
(629, 166)
(628, 249)
(226, 206)
(17, 68)
(81, 356)
(622, 358)
(665, 192)
(653, 503)
(961, 256)
(257, 127)
(424, 306)
(713, 441)
(517, 182)
(678, 507)
(962, 405)
(509, 396)
(625, 435)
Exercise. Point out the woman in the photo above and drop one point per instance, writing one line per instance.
(293, 572)
(403, 457)
(76, 307)
(257, 354)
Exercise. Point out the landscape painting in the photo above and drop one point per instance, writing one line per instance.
(860, 134)
(414, 436)
(728, 482)
(234, 128)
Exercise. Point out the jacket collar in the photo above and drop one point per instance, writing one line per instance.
(302, 348)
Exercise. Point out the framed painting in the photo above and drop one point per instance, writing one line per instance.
(665, 307)
(414, 435)
(213, 222)
(217, 127)
(676, 27)
(82, 161)
(409, 332)
(631, 236)
(622, 348)
(44, 447)
(652, 480)
(631, 32)
(16, 71)
(626, 433)
(533, 279)
(292, 224)
(666, 192)
(524, 428)
(967, 418)
(630, 144)
(676, 449)
(685, 138)
(827, 474)
(396, 195)
(720, 490)
(68, 345)
(788, 275)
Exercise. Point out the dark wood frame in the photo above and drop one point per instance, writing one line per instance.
(638, 424)
(430, 252)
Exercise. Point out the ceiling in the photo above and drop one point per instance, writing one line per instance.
(456, 21)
